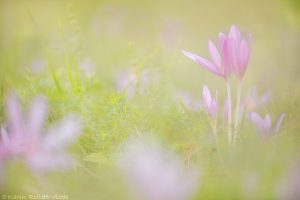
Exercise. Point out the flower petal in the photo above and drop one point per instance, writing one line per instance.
(14, 114)
(268, 123)
(258, 123)
(62, 134)
(36, 116)
(232, 47)
(244, 57)
(205, 63)
(235, 33)
(214, 54)
(4, 137)
(206, 96)
(278, 123)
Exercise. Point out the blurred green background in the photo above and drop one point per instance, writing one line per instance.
(45, 43)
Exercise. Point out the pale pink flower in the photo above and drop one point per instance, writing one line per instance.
(289, 187)
(209, 104)
(154, 174)
(87, 66)
(38, 65)
(132, 82)
(252, 102)
(24, 136)
(187, 100)
(126, 81)
(6, 149)
(250, 185)
(232, 56)
(264, 126)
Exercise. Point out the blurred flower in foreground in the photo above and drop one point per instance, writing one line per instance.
(154, 174)
(187, 100)
(289, 188)
(250, 185)
(232, 57)
(24, 136)
(252, 102)
(264, 126)
(133, 82)
(126, 81)
(38, 65)
(87, 66)
(210, 104)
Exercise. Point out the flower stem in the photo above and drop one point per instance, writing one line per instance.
(229, 113)
(213, 124)
(237, 110)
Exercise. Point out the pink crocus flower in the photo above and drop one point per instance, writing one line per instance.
(209, 104)
(232, 56)
(264, 126)
(152, 173)
(25, 138)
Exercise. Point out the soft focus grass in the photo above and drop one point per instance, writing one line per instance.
(118, 35)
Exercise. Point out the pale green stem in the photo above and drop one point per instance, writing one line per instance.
(229, 113)
(213, 123)
(237, 110)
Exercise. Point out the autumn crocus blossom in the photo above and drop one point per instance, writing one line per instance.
(232, 56)
(151, 173)
(210, 104)
(24, 137)
(264, 126)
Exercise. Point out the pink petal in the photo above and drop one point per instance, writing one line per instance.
(278, 123)
(44, 161)
(36, 116)
(233, 52)
(235, 33)
(207, 99)
(214, 53)
(258, 122)
(222, 38)
(244, 57)
(4, 137)
(62, 134)
(268, 123)
(226, 56)
(205, 63)
(14, 114)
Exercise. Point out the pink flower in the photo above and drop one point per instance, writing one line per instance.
(289, 186)
(210, 105)
(188, 101)
(232, 56)
(133, 83)
(24, 136)
(252, 102)
(264, 126)
(154, 174)
(87, 67)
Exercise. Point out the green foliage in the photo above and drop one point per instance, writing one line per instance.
(148, 36)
